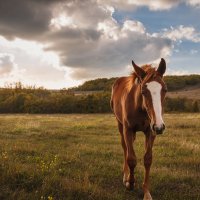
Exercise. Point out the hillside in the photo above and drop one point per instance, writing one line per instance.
(189, 92)
(187, 86)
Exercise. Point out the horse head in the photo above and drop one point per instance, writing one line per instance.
(153, 90)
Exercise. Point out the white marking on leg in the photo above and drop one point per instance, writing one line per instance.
(155, 90)
(147, 196)
(124, 179)
(127, 184)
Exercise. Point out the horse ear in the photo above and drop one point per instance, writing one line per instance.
(139, 71)
(162, 67)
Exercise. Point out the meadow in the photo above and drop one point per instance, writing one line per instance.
(79, 157)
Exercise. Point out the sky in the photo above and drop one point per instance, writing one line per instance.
(62, 43)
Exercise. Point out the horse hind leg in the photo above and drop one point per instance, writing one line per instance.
(125, 164)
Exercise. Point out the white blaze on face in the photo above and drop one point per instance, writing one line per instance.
(155, 90)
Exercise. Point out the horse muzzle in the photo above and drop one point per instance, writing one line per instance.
(158, 129)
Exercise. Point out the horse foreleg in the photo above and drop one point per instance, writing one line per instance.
(130, 157)
(125, 165)
(149, 140)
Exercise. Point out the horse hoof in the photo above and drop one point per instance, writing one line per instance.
(147, 196)
(129, 186)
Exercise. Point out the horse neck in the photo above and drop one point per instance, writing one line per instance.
(137, 96)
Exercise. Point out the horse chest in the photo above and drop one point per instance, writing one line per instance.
(138, 123)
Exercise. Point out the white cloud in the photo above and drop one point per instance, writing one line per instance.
(194, 3)
(85, 14)
(193, 51)
(109, 29)
(181, 33)
(177, 72)
(131, 4)
(153, 5)
(62, 20)
(107, 47)
(134, 26)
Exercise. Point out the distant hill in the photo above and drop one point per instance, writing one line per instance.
(178, 86)
(100, 84)
(189, 92)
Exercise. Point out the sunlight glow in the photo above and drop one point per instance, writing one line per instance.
(62, 21)
(34, 66)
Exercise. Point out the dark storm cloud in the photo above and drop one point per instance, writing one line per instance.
(27, 19)
(30, 19)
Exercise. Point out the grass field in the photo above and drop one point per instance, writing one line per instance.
(79, 157)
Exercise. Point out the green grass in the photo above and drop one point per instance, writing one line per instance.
(79, 157)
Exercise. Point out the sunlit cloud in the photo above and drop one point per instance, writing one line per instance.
(182, 32)
(177, 72)
(61, 21)
(27, 62)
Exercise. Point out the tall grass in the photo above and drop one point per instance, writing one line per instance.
(79, 157)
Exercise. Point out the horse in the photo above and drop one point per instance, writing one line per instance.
(137, 103)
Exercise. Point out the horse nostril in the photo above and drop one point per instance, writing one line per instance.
(158, 130)
(163, 127)
(154, 127)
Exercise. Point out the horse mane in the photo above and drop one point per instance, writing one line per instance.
(133, 78)
(150, 71)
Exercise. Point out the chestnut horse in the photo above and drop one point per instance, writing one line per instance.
(137, 104)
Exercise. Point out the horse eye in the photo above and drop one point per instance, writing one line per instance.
(143, 92)
(164, 89)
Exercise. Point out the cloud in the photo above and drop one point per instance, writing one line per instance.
(177, 72)
(96, 45)
(25, 18)
(151, 4)
(7, 64)
(194, 3)
(134, 26)
(114, 50)
(84, 34)
(193, 51)
(182, 33)
(27, 62)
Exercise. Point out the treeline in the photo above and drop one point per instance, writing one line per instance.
(21, 99)
(181, 105)
(100, 84)
(39, 100)
(180, 82)
(173, 83)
